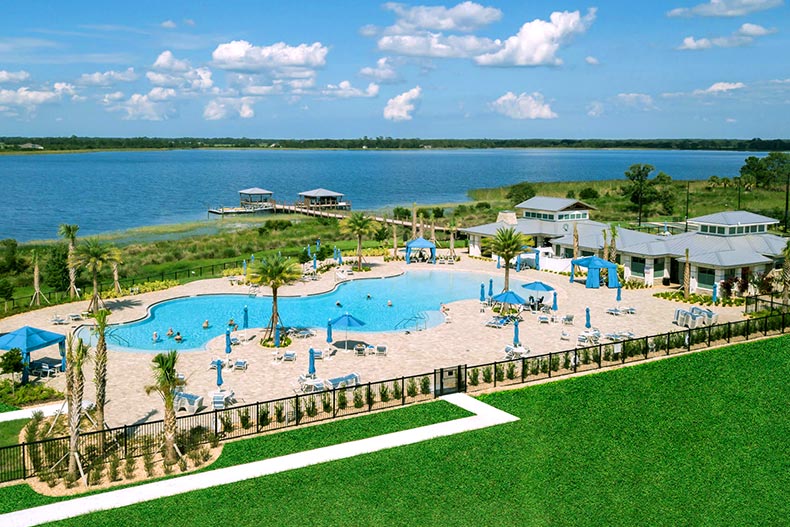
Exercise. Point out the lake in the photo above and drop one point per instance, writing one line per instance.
(111, 191)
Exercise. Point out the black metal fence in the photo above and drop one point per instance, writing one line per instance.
(28, 459)
(771, 302)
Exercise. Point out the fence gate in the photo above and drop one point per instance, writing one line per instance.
(449, 380)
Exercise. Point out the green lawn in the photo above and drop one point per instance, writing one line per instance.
(21, 496)
(9, 431)
(699, 439)
(7, 408)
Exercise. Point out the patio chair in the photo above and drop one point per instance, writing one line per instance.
(318, 354)
(188, 402)
(289, 356)
(240, 364)
(565, 335)
(58, 320)
(360, 351)
(613, 311)
(510, 352)
(567, 320)
(497, 322)
(543, 319)
(75, 317)
(381, 350)
(42, 369)
(218, 401)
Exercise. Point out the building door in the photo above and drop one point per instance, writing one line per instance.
(674, 271)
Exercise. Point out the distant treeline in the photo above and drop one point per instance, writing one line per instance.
(118, 143)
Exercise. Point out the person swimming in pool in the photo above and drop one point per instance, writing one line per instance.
(231, 322)
(368, 297)
(338, 304)
(170, 332)
(155, 337)
(178, 337)
(205, 324)
(389, 303)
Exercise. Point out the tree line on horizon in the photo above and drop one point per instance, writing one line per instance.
(380, 142)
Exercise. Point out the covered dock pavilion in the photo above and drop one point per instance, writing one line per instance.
(256, 198)
(322, 198)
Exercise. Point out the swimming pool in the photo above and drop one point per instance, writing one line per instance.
(416, 298)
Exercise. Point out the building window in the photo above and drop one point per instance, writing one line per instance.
(739, 230)
(761, 228)
(732, 230)
(658, 267)
(587, 253)
(703, 228)
(568, 252)
(706, 277)
(637, 266)
(584, 215)
(720, 230)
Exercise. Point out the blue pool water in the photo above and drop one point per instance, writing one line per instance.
(414, 294)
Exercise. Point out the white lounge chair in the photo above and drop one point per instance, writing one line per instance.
(191, 403)
(240, 364)
(543, 319)
(567, 320)
(381, 350)
(58, 320)
(289, 356)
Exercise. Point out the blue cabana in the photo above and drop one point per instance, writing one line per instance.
(30, 339)
(420, 243)
(594, 265)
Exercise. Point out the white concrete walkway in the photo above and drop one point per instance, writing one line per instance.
(484, 417)
(27, 413)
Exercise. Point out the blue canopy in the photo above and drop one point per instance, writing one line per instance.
(594, 265)
(311, 363)
(587, 318)
(490, 287)
(508, 297)
(218, 364)
(227, 341)
(420, 243)
(329, 331)
(245, 321)
(515, 333)
(538, 287)
(244, 267)
(482, 292)
(537, 259)
(315, 255)
(554, 304)
(619, 293)
(30, 339)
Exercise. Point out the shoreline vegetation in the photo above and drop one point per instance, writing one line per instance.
(74, 144)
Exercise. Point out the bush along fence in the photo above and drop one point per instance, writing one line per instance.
(45, 458)
(759, 303)
(62, 297)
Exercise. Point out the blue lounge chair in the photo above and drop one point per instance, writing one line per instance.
(352, 379)
(240, 364)
(498, 322)
(289, 356)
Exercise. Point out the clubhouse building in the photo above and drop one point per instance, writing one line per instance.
(720, 245)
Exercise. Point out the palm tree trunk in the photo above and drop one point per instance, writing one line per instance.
(100, 372)
(394, 241)
(452, 243)
(785, 282)
(269, 334)
(94, 305)
(413, 221)
(687, 277)
(359, 253)
(75, 416)
(72, 273)
(507, 276)
(116, 284)
(170, 432)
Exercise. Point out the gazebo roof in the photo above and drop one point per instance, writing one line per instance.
(420, 243)
(256, 191)
(321, 193)
(30, 339)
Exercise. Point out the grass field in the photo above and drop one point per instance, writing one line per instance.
(21, 496)
(7, 408)
(9, 431)
(698, 439)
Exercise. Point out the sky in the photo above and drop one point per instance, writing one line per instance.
(342, 69)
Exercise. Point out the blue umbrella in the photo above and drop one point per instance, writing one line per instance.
(227, 341)
(619, 293)
(252, 258)
(587, 318)
(329, 331)
(318, 244)
(554, 304)
(314, 261)
(537, 260)
(347, 321)
(498, 262)
(218, 364)
(715, 293)
(508, 297)
(308, 251)
(311, 364)
(490, 287)
(244, 267)
(518, 263)
(482, 292)
(276, 336)
(339, 257)
(245, 320)
(538, 287)
(515, 333)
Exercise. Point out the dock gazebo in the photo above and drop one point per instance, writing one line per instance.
(256, 198)
(322, 198)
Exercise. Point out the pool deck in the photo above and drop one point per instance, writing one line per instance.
(464, 340)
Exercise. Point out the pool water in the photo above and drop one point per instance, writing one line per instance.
(416, 298)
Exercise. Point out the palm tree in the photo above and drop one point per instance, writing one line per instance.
(76, 356)
(276, 271)
(452, 226)
(507, 243)
(613, 245)
(166, 382)
(94, 255)
(358, 225)
(69, 232)
(100, 365)
(37, 294)
(575, 241)
(687, 276)
(786, 274)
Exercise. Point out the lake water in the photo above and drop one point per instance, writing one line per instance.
(111, 191)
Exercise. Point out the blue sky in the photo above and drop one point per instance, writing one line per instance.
(563, 69)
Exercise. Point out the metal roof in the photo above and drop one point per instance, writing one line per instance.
(534, 227)
(255, 191)
(552, 204)
(727, 259)
(320, 193)
(733, 217)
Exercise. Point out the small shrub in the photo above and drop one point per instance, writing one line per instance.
(588, 193)
(384, 393)
(566, 361)
(95, 474)
(214, 440)
(342, 399)
(326, 402)
(227, 422)
(196, 458)
(205, 454)
(244, 418)
(411, 387)
(148, 463)
(311, 408)
(511, 371)
(544, 366)
(474, 377)
(370, 396)
(585, 356)
(425, 385)
(534, 367)
(488, 375)
(500, 373)
(113, 466)
(167, 468)
(359, 402)
(555, 363)
(279, 412)
(129, 466)
(182, 464)
(263, 416)
(397, 393)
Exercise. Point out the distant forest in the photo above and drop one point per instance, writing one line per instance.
(117, 143)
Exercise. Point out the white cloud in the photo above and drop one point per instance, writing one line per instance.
(159, 94)
(189, 22)
(437, 45)
(13, 76)
(168, 24)
(537, 42)
(344, 90)
(591, 60)
(730, 120)
(197, 79)
(166, 61)
(225, 107)
(780, 81)
(743, 36)
(464, 17)
(240, 55)
(639, 100)
(28, 98)
(725, 8)
(523, 106)
(720, 87)
(141, 107)
(595, 109)
(107, 78)
(400, 107)
(383, 72)
(109, 98)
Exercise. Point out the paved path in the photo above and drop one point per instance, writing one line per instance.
(484, 417)
(27, 413)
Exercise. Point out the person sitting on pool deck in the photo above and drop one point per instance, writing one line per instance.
(169, 332)
(205, 324)
(178, 337)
